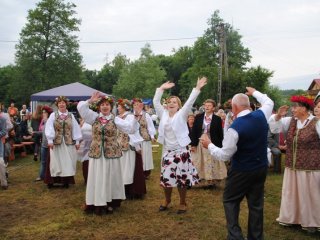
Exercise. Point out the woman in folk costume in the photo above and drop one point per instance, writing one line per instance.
(131, 160)
(301, 181)
(83, 152)
(127, 160)
(177, 169)
(147, 132)
(63, 134)
(105, 188)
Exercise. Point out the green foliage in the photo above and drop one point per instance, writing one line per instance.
(7, 75)
(47, 54)
(140, 78)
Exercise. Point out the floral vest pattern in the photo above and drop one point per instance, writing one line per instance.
(123, 138)
(63, 129)
(144, 128)
(104, 139)
(303, 147)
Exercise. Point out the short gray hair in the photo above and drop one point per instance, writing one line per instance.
(241, 100)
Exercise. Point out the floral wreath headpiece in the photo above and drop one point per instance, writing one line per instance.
(308, 102)
(124, 103)
(135, 100)
(95, 106)
(60, 99)
(47, 109)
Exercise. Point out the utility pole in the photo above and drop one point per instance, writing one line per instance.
(223, 60)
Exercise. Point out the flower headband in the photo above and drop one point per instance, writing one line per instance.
(134, 100)
(95, 106)
(302, 99)
(124, 103)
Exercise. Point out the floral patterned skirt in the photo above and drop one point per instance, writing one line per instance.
(177, 169)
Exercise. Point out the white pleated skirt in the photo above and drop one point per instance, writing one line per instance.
(128, 162)
(147, 158)
(105, 181)
(63, 160)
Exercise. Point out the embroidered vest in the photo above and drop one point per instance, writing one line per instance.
(303, 147)
(123, 138)
(63, 129)
(104, 139)
(144, 128)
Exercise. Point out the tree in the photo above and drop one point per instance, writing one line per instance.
(47, 53)
(7, 74)
(110, 73)
(140, 78)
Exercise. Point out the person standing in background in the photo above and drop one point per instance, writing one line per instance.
(209, 169)
(147, 132)
(63, 133)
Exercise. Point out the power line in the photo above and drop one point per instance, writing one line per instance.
(121, 41)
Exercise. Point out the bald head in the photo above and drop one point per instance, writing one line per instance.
(240, 102)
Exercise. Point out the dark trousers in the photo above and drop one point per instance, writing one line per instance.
(240, 185)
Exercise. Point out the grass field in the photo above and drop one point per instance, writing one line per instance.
(28, 210)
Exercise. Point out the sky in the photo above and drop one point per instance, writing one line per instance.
(282, 35)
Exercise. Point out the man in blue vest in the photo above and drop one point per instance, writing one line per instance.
(245, 144)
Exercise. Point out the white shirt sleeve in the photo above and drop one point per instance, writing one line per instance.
(229, 146)
(49, 129)
(157, 103)
(76, 130)
(151, 128)
(86, 113)
(129, 125)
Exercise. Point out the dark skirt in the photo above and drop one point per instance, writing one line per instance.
(138, 188)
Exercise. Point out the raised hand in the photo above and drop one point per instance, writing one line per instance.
(282, 111)
(167, 85)
(95, 96)
(250, 91)
(201, 82)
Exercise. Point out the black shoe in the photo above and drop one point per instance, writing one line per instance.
(109, 210)
(35, 157)
(163, 208)
(66, 185)
(50, 185)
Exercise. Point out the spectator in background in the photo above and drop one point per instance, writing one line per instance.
(210, 170)
(44, 152)
(3, 133)
(245, 143)
(36, 133)
(301, 180)
(13, 111)
(222, 115)
(190, 122)
(24, 110)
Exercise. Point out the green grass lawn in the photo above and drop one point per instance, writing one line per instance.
(28, 210)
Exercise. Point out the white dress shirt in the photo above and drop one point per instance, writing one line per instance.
(229, 144)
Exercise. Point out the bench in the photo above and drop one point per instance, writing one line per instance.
(21, 146)
(17, 146)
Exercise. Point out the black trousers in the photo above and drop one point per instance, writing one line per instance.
(249, 185)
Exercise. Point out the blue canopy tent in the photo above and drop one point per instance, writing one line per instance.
(74, 91)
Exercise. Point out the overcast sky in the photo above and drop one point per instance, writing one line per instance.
(282, 35)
